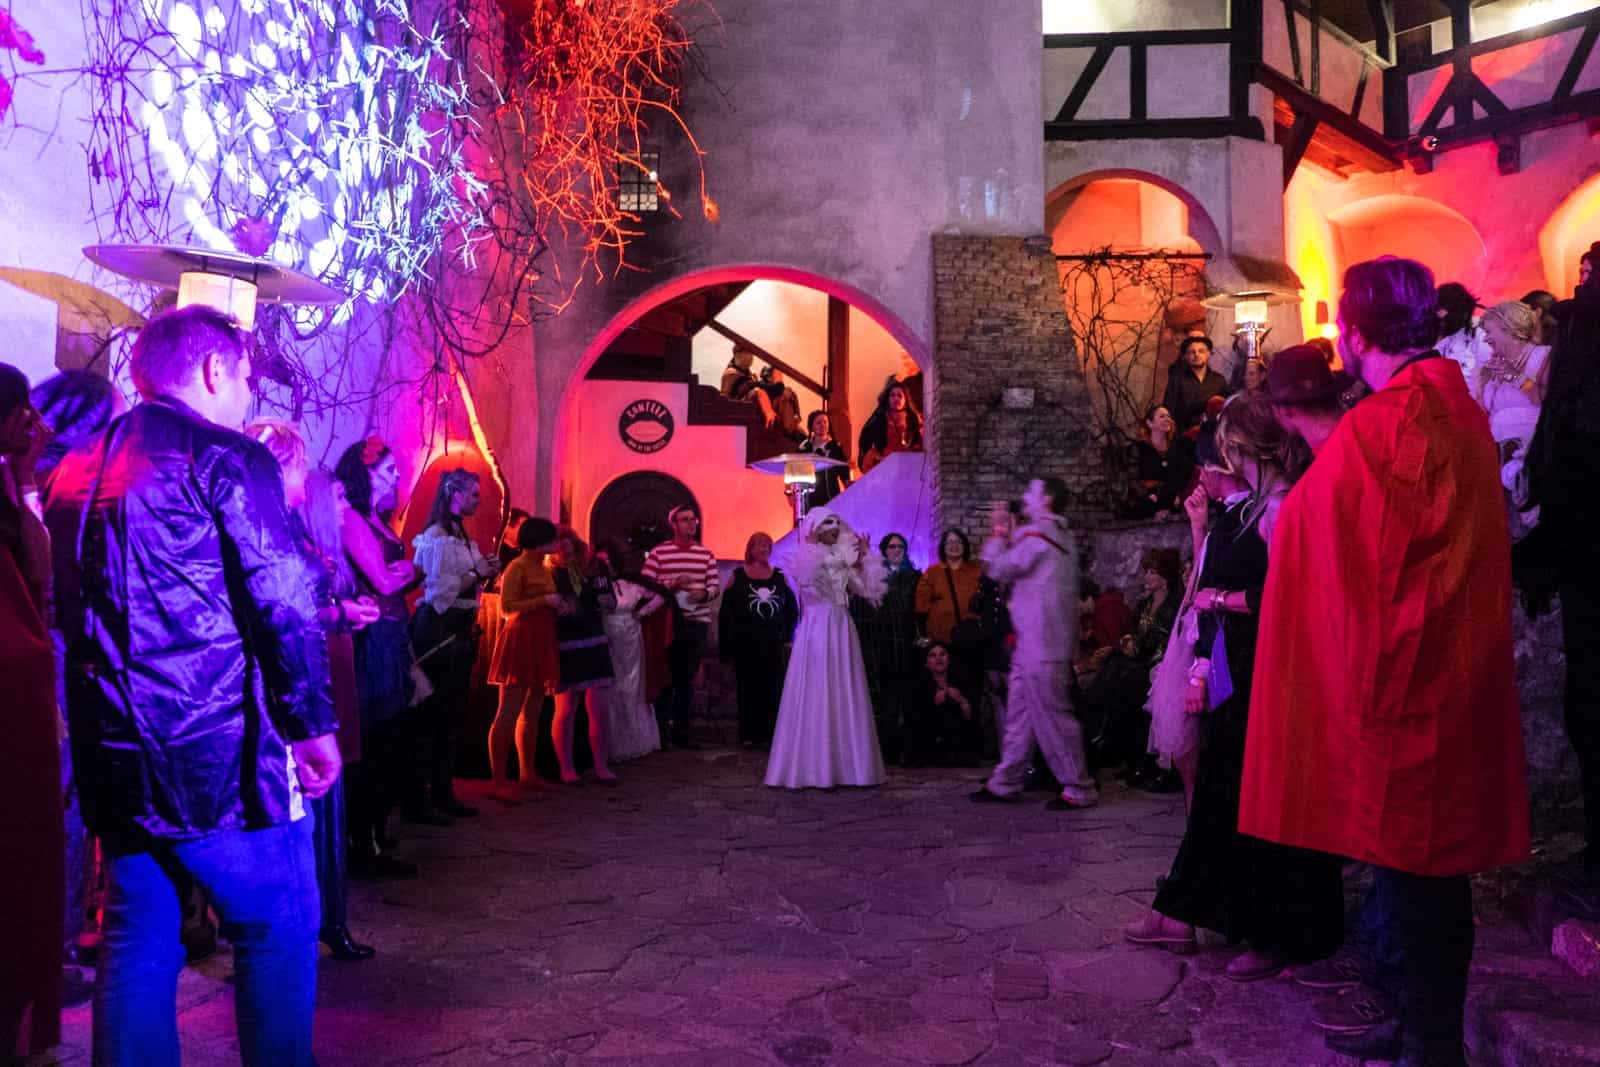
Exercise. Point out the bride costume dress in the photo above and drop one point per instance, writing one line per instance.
(826, 735)
(634, 731)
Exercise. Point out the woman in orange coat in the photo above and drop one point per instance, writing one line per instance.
(1385, 724)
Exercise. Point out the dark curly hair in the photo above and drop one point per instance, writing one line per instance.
(1392, 303)
(357, 477)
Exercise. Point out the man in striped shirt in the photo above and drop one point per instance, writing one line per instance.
(690, 571)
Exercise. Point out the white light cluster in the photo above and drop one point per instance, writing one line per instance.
(329, 120)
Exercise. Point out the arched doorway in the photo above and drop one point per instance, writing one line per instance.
(634, 508)
(666, 352)
(1132, 251)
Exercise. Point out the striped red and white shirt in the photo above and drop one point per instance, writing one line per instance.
(667, 561)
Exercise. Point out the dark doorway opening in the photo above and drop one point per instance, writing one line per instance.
(634, 509)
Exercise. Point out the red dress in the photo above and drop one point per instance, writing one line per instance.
(32, 837)
(1385, 724)
(526, 655)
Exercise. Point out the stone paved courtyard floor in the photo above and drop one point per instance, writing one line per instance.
(693, 917)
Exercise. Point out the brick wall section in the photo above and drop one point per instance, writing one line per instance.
(1000, 323)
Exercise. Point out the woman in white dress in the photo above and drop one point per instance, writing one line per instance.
(634, 731)
(1510, 387)
(826, 735)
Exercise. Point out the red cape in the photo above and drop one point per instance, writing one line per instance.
(1385, 724)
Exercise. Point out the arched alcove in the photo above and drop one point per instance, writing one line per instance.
(1412, 227)
(635, 505)
(1567, 234)
(706, 452)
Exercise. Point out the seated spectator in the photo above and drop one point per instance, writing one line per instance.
(1191, 383)
(1161, 468)
(785, 403)
(739, 382)
(941, 716)
(894, 426)
(1255, 374)
(1113, 706)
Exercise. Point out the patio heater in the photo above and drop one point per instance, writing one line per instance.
(799, 470)
(231, 282)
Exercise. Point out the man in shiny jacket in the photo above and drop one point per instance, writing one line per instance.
(197, 693)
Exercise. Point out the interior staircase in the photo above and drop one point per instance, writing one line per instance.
(659, 348)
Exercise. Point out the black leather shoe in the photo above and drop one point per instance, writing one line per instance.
(427, 817)
(1063, 804)
(455, 809)
(984, 796)
(344, 947)
(1382, 1042)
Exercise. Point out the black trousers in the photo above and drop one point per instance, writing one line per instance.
(375, 783)
(676, 703)
(438, 719)
(328, 838)
(1580, 626)
(1436, 932)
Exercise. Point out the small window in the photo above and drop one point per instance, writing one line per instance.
(637, 191)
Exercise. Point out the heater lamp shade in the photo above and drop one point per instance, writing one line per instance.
(1249, 311)
(231, 296)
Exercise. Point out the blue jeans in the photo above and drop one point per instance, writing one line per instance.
(263, 884)
(1380, 933)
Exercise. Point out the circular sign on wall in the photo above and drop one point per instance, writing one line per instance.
(645, 426)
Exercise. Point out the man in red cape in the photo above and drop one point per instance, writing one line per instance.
(1385, 723)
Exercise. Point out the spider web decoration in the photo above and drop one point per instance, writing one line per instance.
(423, 156)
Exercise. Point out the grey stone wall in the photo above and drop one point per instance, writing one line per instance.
(1010, 400)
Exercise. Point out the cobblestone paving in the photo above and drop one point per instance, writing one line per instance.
(694, 917)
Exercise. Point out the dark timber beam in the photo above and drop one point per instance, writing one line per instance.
(1295, 145)
(799, 376)
(1382, 14)
(838, 395)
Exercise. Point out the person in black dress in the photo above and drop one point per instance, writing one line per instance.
(1161, 468)
(584, 585)
(888, 633)
(819, 442)
(757, 619)
(1285, 903)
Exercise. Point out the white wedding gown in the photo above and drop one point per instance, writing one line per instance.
(633, 731)
(826, 735)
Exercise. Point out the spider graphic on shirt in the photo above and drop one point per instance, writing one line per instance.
(764, 602)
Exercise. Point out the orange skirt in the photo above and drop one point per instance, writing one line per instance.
(526, 654)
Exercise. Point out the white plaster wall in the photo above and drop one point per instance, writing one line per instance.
(839, 136)
(1112, 16)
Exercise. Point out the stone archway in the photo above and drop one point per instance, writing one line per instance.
(634, 507)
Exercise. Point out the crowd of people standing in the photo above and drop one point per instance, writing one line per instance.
(184, 568)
